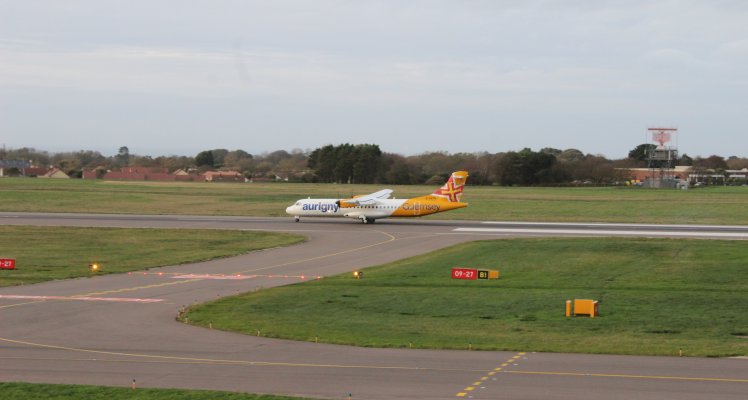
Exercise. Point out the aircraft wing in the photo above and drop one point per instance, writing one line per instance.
(369, 199)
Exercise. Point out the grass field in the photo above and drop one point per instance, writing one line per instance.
(28, 391)
(713, 205)
(48, 253)
(656, 298)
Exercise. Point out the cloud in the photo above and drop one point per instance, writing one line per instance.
(379, 67)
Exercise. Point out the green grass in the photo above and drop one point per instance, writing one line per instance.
(28, 391)
(656, 297)
(48, 253)
(713, 205)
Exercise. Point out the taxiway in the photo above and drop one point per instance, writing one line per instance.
(111, 330)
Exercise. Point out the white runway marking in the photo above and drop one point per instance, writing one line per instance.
(614, 225)
(81, 298)
(603, 232)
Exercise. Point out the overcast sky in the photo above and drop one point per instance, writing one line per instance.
(178, 77)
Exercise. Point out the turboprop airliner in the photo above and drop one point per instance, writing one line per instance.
(371, 207)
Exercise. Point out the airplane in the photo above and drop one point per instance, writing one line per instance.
(370, 207)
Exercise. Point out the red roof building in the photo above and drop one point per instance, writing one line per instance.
(224, 176)
(160, 174)
(55, 173)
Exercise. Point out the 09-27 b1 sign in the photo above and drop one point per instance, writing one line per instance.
(7, 263)
(472, 274)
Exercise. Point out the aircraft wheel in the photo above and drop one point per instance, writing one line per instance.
(296, 219)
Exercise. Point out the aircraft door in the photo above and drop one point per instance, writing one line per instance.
(417, 208)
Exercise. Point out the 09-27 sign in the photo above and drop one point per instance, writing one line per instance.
(464, 273)
(7, 263)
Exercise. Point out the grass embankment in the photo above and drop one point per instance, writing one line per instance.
(713, 205)
(48, 253)
(28, 391)
(656, 297)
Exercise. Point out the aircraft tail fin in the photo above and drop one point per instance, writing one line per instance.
(452, 190)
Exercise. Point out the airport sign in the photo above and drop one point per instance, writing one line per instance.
(7, 263)
(464, 273)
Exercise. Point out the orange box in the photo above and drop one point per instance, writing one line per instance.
(585, 307)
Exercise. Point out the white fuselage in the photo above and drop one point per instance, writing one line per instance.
(370, 207)
(332, 208)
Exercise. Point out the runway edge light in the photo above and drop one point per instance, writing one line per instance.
(94, 267)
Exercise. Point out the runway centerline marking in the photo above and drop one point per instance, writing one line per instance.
(80, 298)
(132, 289)
(193, 360)
(21, 304)
(391, 238)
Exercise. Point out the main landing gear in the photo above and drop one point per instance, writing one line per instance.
(367, 220)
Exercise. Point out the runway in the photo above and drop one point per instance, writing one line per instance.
(111, 330)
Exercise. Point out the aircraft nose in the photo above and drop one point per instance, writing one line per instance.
(290, 210)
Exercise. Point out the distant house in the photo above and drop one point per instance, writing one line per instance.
(23, 168)
(642, 174)
(139, 174)
(35, 171)
(186, 176)
(13, 167)
(160, 174)
(737, 173)
(142, 174)
(55, 173)
(729, 176)
(91, 174)
(224, 176)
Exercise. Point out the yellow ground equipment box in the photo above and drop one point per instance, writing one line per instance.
(585, 307)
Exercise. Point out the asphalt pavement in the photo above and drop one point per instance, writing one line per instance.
(113, 329)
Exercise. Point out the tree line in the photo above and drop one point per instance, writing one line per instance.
(367, 163)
